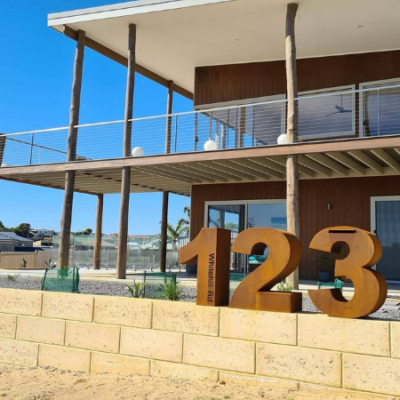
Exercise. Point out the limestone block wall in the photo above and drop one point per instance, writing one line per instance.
(176, 339)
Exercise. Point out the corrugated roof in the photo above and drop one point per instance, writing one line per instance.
(12, 236)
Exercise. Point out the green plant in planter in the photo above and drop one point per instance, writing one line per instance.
(23, 264)
(137, 290)
(170, 289)
(323, 267)
(284, 287)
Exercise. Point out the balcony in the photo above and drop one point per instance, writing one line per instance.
(337, 115)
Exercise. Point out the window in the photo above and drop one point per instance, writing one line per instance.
(379, 108)
(327, 113)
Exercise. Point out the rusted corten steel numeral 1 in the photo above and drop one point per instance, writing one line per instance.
(284, 256)
(370, 287)
(211, 252)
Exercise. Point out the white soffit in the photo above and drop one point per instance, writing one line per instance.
(175, 36)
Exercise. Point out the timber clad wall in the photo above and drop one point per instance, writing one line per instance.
(349, 198)
(185, 341)
(222, 83)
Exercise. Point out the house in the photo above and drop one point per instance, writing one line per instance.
(10, 240)
(247, 83)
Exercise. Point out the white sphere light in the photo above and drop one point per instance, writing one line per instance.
(282, 139)
(137, 152)
(210, 145)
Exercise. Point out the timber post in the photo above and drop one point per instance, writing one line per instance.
(292, 173)
(66, 216)
(165, 200)
(126, 171)
(98, 233)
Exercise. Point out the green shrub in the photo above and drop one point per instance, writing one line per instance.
(170, 289)
(284, 287)
(23, 264)
(137, 290)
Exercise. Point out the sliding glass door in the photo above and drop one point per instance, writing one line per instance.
(240, 215)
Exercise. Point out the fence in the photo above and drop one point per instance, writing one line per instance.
(337, 113)
(36, 260)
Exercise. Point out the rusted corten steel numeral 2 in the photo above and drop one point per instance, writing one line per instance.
(370, 287)
(284, 256)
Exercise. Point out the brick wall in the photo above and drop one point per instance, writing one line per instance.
(111, 334)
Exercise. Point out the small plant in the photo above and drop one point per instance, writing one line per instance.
(170, 289)
(284, 287)
(23, 264)
(323, 262)
(137, 290)
(12, 278)
(50, 265)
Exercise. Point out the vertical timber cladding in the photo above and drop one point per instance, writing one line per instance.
(349, 198)
(216, 84)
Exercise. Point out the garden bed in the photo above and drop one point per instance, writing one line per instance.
(390, 310)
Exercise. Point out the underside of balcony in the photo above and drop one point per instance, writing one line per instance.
(176, 173)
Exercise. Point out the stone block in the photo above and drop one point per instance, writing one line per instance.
(102, 362)
(308, 365)
(227, 354)
(347, 335)
(42, 330)
(74, 307)
(182, 371)
(395, 351)
(159, 345)
(18, 353)
(93, 337)
(20, 302)
(185, 317)
(63, 358)
(259, 326)
(122, 311)
(371, 374)
(8, 326)
(245, 379)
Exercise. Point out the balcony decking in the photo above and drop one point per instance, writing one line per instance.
(372, 156)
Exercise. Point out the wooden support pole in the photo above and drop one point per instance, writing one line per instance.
(165, 201)
(126, 171)
(66, 216)
(292, 172)
(98, 233)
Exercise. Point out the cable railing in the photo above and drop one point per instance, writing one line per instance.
(332, 115)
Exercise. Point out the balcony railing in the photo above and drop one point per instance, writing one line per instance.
(328, 116)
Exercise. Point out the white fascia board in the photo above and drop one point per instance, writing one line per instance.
(124, 10)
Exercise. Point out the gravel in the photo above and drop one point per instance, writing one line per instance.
(390, 310)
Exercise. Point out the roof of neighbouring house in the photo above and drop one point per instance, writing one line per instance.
(12, 237)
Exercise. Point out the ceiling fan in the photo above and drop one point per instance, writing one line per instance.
(340, 109)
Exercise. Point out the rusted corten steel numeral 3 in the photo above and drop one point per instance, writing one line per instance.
(370, 287)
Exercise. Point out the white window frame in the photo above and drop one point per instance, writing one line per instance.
(373, 200)
(363, 86)
(333, 135)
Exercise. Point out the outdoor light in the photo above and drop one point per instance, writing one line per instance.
(137, 152)
(210, 145)
(282, 139)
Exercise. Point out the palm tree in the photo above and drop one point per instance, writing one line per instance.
(173, 234)
(184, 223)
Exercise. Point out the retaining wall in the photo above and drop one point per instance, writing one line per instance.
(139, 336)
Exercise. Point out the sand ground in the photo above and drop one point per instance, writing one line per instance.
(49, 383)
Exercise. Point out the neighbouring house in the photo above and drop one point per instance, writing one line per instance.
(10, 240)
(229, 154)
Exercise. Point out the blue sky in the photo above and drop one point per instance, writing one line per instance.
(35, 86)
